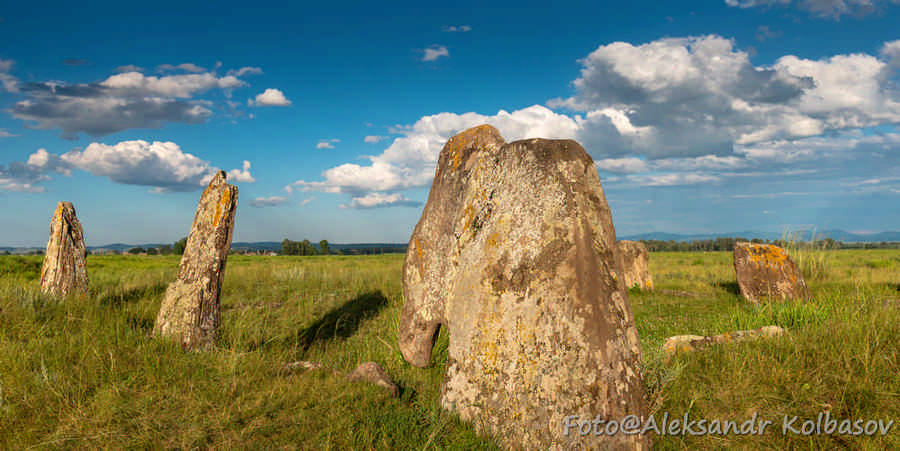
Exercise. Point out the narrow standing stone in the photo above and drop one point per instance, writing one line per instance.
(64, 269)
(190, 309)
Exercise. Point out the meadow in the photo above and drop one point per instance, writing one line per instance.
(85, 372)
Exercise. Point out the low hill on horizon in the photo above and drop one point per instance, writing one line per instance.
(275, 246)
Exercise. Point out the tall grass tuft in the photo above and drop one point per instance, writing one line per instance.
(812, 257)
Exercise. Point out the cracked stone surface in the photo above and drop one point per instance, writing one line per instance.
(515, 255)
(635, 261)
(190, 309)
(64, 271)
(766, 272)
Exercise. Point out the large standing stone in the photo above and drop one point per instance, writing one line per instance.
(64, 269)
(766, 271)
(514, 254)
(190, 309)
(634, 258)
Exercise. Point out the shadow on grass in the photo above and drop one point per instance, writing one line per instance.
(729, 286)
(338, 323)
(143, 324)
(119, 297)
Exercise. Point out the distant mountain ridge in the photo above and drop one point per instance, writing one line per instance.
(275, 246)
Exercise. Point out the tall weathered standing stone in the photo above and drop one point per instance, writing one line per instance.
(764, 270)
(635, 261)
(64, 269)
(190, 309)
(514, 254)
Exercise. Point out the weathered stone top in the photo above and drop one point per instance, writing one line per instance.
(207, 241)
(459, 147)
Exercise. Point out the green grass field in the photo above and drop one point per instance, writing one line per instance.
(84, 373)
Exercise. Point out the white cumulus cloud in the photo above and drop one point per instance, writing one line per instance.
(821, 8)
(161, 165)
(698, 95)
(272, 201)
(379, 200)
(241, 175)
(8, 81)
(126, 100)
(434, 52)
(179, 86)
(270, 97)
(327, 143)
(187, 67)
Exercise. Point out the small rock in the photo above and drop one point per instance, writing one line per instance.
(301, 365)
(682, 294)
(373, 373)
(688, 343)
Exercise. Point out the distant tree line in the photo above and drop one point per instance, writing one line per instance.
(305, 247)
(727, 244)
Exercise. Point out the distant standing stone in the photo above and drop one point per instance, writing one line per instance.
(635, 261)
(64, 271)
(765, 271)
(190, 309)
(514, 255)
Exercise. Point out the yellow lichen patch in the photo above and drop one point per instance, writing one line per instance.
(767, 254)
(418, 247)
(469, 138)
(469, 215)
(224, 201)
(493, 240)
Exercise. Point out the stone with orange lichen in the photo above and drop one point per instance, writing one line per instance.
(514, 255)
(190, 309)
(766, 272)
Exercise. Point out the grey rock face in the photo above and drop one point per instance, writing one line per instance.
(765, 271)
(64, 270)
(515, 255)
(190, 309)
(635, 261)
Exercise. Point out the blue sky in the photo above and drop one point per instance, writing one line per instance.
(712, 116)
